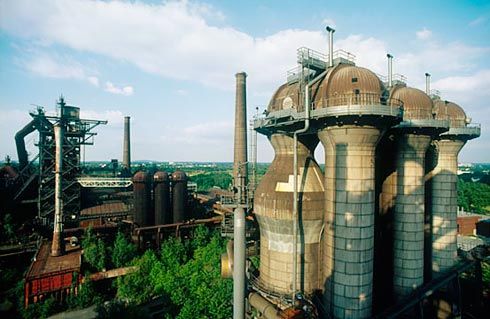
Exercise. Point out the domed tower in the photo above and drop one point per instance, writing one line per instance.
(161, 182)
(406, 187)
(179, 196)
(444, 183)
(353, 119)
(141, 194)
(274, 205)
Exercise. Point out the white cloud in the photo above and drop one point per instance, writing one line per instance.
(93, 80)
(114, 118)
(111, 88)
(54, 67)
(477, 22)
(424, 34)
(210, 133)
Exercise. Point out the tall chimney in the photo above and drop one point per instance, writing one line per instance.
(240, 174)
(240, 169)
(126, 164)
(427, 84)
(330, 46)
(390, 70)
(57, 248)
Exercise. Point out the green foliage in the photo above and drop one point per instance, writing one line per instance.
(86, 297)
(123, 252)
(474, 197)
(137, 287)
(41, 309)
(8, 229)
(205, 181)
(187, 275)
(94, 251)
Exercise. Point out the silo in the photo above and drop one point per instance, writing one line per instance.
(273, 207)
(444, 182)
(179, 196)
(407, 187)
(142, 199)
(161, 183)
(350, 96)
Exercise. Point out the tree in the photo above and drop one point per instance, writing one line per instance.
(94, 250)
(123, 252)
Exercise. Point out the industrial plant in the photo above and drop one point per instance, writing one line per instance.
(373, 234)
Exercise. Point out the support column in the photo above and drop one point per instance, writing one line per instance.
(445, 205)
(408, 222)
(57, 247)
(349, 219)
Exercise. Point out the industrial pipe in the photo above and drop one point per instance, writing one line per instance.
(267, 310)
(57, 247)
(239, 264)
(295, 177)
(227, 261)
(427, 84)
(20, 144)
(330, 48)
(390, 70)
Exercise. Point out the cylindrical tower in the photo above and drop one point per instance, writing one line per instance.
(444, 182)
(352, 98)
(273, 207)
(142, 200)
(412, 138)
(179, 196)
(161, 182)
(126, 164)
(240, 146)
(58, 246)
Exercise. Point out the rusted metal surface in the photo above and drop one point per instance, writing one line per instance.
(417, 105)
(141, 193)
(112, 273)
(163, 213)
(179, 196)
(48, 274)
(105, 210)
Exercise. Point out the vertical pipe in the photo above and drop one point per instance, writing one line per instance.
(390, 70)
(330, 46)
(240, 145)
(57, 245)
(239, 264)
(126, 165)
(427, 84)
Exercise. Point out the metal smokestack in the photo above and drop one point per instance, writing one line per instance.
(57, 248)
(390, 70)
(330, 46)
(240, 152)
(126, 165)
(427, 84)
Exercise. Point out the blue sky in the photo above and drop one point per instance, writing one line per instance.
(170, 65)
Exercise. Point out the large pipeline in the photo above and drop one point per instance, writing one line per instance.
(20, 144)
(57, 248)
(295, 177)
(266, 308)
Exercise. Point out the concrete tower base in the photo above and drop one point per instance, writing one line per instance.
(349, 219)
(408, 221)
(444, 179)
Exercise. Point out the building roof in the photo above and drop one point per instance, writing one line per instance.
(105, 209)
(46, 265)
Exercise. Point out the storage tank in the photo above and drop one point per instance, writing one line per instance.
(273, 207)
(179, 196)
(356, 121)
(163, 214)
(142, 199)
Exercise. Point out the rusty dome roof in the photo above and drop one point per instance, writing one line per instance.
(348, 84)
(140, 177)
(445, 110)
(179, 176)
(417, 105)
(161, 177)
(286, 97)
